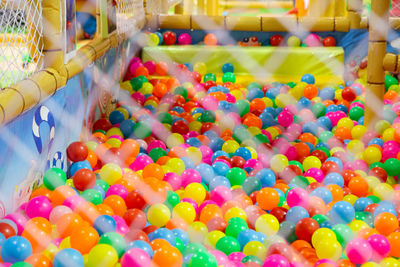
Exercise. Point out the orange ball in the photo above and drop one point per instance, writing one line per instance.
(210, 39)
(68, 223)
(39, 223)
(84, 239)
(267, 198)
(310, 91)
(153, 170)
(60, 194)
(92, 158)
(308, 137)
(41, 192)
(358, 186)
(394, 240)
(303, 150)
(159, 244)
(38, 260)
(210, 211)
(343, 133)
(385, 223)
(168, 257)
(104, 209)
(160, 90)
(176, 223)
(38, 239)
(142, 71)
(129, 148)
(391, 95)
(117, 204)
(161, 68)
(253, 121)
(336, 191)
(300, 244)
(345, 263)
(87, 211)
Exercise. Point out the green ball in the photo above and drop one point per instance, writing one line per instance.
(296, 163)
(287, 231)
(143, 79)
(235, 226)
(142, 130)
(300, 181)
(318, 109)
(261, 139)
(208, 116)
(291, 84)
(377, 164)
(202, 259)
(240, 134)
(172, 199)
(389, 81)
(210, 77)
(251, 184)
(325, 136)
(136, 83)
(103, 184)
(194, 247)
(157, 153)
(254, 85)
(320, 218)
(115, 240)
(374, 199)
(343, 233)
(243, 107)
(228, 77)
(365, 217)
(179, 244)
(21, 264)
(236, 176)
(392, 166)
(252, 258)
(164, 117)
(93, 196)
(228, 245)
(181, 90)
(356, 113)
(54, 178)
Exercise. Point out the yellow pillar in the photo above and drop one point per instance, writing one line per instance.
(378, 31)
(355, 9)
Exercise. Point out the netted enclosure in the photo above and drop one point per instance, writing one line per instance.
(129, 15)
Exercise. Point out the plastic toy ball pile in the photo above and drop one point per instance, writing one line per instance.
(191, 171)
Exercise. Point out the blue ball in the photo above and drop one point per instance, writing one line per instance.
(246, 236)
(325, 123)
(2, 239)
(193, 141)
(16, 248)
(243, 152)
(141, 245)
(68, 257)
(219, 181)
(337, 161)
(296, 213)
(206, 172)
(189, 164)
(189, 66)
(362, 203)
(116, 116)
(163, 233)
(79, 165)
(182, 235)
(334, 178)
(267, 177)
(218, 153)
(376, 141)
(228, 67)
(220, 168)
(322, 193)
(308, 78)
(385, 208)
(216, 144)
(126, 127)
(255, 93)
(304, 103)
(331, 108)
(342, 212)
(327, 94)
(160, 37)
(105, 224)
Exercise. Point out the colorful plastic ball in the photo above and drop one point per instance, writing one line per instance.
(267, 198)
(329, 249)
(105, 224)
(358, 251)
(158, 215)
(102, 255)
(184, 39)
(349, 94)
(135, 257)
(276, 260)
(210, 39)
(294, 41)
(267, 224)
(329, 41)
(297, 197)
(84, 179)
(380, 247)
(228, 67)
(308, 78)
(169, 38)
(110, 173)
(312, 40)
(276, 40)
(115, 240)
(342, 212)
(54, 177)
(77, 151)
(305, 228)
(38, 207)
(15, 248)
(68, 257)
(228, 245)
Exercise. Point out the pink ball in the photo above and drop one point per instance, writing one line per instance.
(138, 97)
(134, 66)
(297, 197)
(117, 189)
(39, 207)
(291, 153)
(285, 118)
(135, 257)
(358, 251)
(315, 173)
(173, 179)
(235, 117)
(312, 40)
(205, 203)
(190, 176)
(122, 227)
(209, 103)
(19, 219)
(141, 162)
(221, 258)
(276, 260)
(207, 153)
(254, 164)
(150, 66)
(58, 212)
(230, 98)
(236, 256)
(73, 201)
(380, 247)
(184, 39)
(221, 194)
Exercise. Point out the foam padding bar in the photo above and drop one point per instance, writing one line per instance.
(212, 22)
(277, 24)
(243, 23)
(175, 21)
(391, 62)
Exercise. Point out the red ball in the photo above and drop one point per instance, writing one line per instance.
(276, 40)
(329, 41)
(196, 76)
(102, 124)
(279, 213)
(136, 234)
(237, 161)
(180, 127)
(305, 228)
(378, 172)
(349, 94)
(135, 219)
(7, 230)
(169, 38)
(209, 84)
(217, 223)
(77, 151)
(280, 249)
(134, 200)
(149, 229)
(84, 179)
(329, 166)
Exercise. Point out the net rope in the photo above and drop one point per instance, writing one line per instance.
(129, 13)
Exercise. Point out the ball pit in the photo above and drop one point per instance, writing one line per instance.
(197, 171)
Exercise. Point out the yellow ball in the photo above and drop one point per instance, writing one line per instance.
(279, 162)
(230, 146)
(235, 212)
(175, 139)
(311, 162)
(110, 173)
(196, 192)
(114, 142)
(388, 134)
(70, 182)
(350, 198)
(213, 237)
(267, 224)
(357, 225)
(268, 102)
(253, 152)
(389, 262)
(372, 181)
(358, 131)
(195, 126)
(200, 67)
(383, 191)
(381, 126)
(370, 264)
(355, 147)
(154, 40)
(185, 211)
(197, 232)
(328, 248)
(147, 88)
(51, 251)
(102, 255)
(177, 165)
(114, 131)
(158, 215)
(345, 122)
(92, 145)
(254, 130)
(194, 154)
(255, 248)
(372, 154)
(65, 243)
(321, 234)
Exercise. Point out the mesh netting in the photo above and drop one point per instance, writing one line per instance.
(160, 6)
(395, 11)
(20, 40)
(129, 13)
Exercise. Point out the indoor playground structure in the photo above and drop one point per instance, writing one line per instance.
(199, 133)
